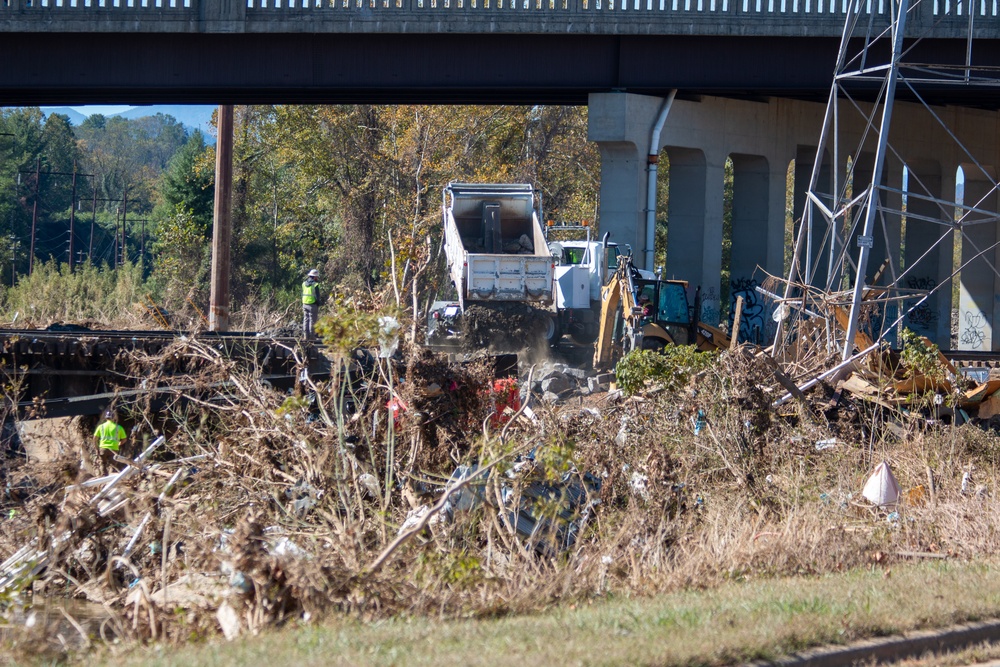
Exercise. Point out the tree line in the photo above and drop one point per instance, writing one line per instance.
(354, 191)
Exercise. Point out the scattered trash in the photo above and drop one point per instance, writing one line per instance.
(239, 581)
(286, 548)
(828, 443)
(370, 484)
(388, 336)
(229, 621)
(881, 489)
(699, 422)
(638, 484)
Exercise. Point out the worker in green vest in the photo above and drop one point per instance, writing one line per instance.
(109, 435)
(310, 304)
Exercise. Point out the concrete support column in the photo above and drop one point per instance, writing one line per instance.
(977, 294)
(623, 196)
(888, 241)
(886, 236)
(694, 237)
(889, 235)
(776, 213)
(750, 242)
(620, 124)
(926, 270)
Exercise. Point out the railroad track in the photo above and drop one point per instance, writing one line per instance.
(973, 358)
(76, 370)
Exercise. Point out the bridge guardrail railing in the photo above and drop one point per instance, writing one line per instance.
(54, 8)
(936, 18)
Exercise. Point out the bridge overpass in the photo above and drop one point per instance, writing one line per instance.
(445, 51)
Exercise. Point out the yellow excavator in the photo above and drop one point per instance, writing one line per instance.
(648, 314)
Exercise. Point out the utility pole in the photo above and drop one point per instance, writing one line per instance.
(34, 215)
(13, 275)
(72, 218)
(14, 243)
(124, 214)
(93, 221)
(142, 249)
(218, 318)
(114, 254)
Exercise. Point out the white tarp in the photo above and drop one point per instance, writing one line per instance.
(882, 489)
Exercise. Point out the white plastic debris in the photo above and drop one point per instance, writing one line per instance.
(622, 434)
(285, 547)
(369, 483)
(413, 518)
(229, 621)
(966, 478)
(825, 444)
(388, 336)
(638, 484)
(881, 489)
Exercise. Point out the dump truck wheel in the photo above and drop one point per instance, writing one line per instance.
(553, 332)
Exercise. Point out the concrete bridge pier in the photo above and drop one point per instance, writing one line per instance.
(977, 300)
(620, 124)
(816, 253)
(753, 242)
(932, 318)
(698, 137)
(694, 233)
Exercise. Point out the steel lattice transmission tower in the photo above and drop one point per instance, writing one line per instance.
(864, 190)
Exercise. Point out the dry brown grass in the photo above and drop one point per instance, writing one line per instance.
(728, 624)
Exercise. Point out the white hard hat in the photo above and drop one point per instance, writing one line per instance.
(313, 273)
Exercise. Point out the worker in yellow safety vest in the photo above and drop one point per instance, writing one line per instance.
(310, 304)
(109, 435)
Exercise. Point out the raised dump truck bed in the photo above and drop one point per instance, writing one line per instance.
(500, 266)
(494, 243)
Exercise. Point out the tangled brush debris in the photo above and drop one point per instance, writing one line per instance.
(396, 488)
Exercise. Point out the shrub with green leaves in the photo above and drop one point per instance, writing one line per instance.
(348, 327)
(670, 368)
(920, 357)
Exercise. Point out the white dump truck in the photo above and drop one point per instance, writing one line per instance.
(583, 266)
(500, 267)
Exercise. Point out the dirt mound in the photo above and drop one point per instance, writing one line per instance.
(503, 327)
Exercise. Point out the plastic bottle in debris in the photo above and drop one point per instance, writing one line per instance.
(966, 478)
(699, 422)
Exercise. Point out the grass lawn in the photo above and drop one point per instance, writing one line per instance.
(732, 623)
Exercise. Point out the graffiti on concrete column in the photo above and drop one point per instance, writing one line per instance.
(973, 330)
(922, 318)
(710, 307)
(756, 325)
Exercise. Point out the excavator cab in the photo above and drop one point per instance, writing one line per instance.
(628, 323)
(669, 321)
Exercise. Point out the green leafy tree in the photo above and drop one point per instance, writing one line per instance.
(182, 258)
(188, 181)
